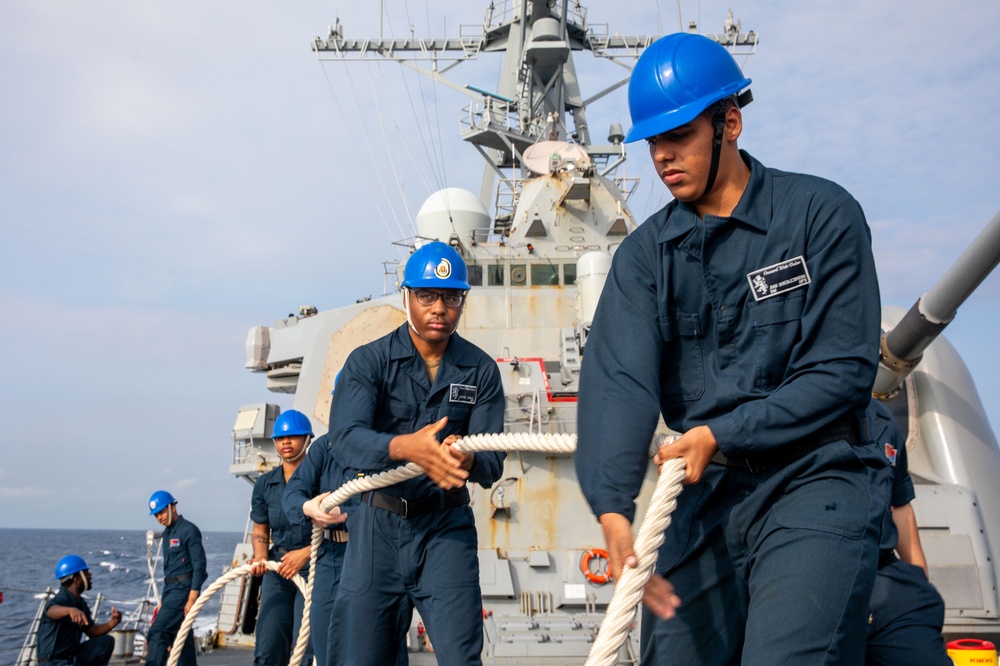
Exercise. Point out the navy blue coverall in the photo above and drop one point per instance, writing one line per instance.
(280, 611)
(907, 613)
(319, 472)
(428, 561)
(59, 640)
(764, 326)
(184, 569)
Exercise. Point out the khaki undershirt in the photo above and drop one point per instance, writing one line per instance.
(432, 368)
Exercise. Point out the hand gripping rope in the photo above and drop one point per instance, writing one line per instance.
(628, 590)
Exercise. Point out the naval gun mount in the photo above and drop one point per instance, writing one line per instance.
(953, 453)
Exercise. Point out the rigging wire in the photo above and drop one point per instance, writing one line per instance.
(388, 150)
(354, 144)
(424, 168)
(434, 156)
(430, 157)
(440, 174)
(437, 155)
(428, 154)
(417, 165)
(369, 152)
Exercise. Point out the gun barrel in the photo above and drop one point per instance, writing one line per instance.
(903, 346)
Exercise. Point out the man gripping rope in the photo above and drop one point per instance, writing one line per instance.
(746, 312)
(407, 397)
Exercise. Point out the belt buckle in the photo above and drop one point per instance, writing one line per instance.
(404, 507)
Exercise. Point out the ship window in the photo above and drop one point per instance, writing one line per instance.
(475, 276)
(494, 275)
(544, 275)
(518, 275)
(569, 273)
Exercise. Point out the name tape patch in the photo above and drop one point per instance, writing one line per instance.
(779, 278)
(463, 393)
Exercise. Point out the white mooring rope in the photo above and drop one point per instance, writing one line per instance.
(628, 591)
(232, 574)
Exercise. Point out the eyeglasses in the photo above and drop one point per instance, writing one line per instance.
(427, 297)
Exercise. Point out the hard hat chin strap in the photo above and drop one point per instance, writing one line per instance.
(86, 583)
(719, 125)
(301, 453)
(406, 306)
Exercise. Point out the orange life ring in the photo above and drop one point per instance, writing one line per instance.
(603, 575)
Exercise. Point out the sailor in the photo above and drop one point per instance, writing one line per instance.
(407, 397)
(278, 539)
(67, 619)
(746, 312)
(184, 572)
(319, 473)
(907, 613)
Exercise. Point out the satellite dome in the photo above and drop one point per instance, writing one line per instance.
(451, 211)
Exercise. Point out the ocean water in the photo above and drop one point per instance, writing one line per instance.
(117, 561)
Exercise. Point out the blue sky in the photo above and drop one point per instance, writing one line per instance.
(173, 173)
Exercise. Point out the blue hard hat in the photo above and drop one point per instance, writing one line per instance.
(291, 423)
(70, 565)
(676, 78)
(436, 265)
(159, 501)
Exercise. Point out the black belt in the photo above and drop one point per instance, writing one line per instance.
(183, 578)
(411, 508)
(886, 557)
(847, 428)
(335, 534)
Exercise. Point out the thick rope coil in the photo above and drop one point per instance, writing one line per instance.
(509, 441)
(232, 574)
(628, 590)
